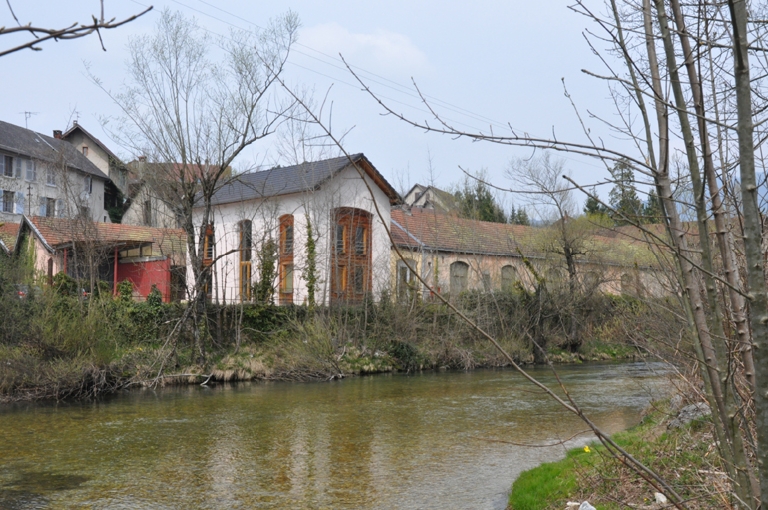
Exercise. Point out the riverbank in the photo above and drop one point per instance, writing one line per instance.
(685, 456)
(56, 345)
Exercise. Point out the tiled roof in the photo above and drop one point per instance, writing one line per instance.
(25, 142)
(8, 234)
(438, 231)
(420, 228)
(294, 179)
(60, 231)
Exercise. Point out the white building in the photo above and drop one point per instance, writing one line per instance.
(269, 211)
(46, 176)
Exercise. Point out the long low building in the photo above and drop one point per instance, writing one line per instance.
(454, 254)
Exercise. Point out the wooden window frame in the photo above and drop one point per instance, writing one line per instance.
(245, 253)
(285, 263)
(351, 266)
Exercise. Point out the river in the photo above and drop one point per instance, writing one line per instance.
(388, 441)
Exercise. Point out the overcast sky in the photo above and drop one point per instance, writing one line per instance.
(486, 62)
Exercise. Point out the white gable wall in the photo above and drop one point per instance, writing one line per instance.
(346, 189)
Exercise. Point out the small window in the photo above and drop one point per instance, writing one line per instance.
(50, 207)
(85, 150)
(50, 177)
(8, 199)
(360, 240)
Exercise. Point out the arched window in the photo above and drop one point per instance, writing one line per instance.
(459, 273)
(286, 259)
(508, 277)
(351, 254)
(245, 250)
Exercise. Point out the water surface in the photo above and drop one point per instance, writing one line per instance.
(388, 441)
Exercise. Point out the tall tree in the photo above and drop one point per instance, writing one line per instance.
(626, 206)
(192, 107)
(477, 202)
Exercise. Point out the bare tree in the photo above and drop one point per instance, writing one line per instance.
(192, 107)
(74, 31)
(663, 78)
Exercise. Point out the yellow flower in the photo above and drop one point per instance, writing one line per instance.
(586, 449)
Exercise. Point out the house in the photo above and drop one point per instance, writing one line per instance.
(46, 176)
(430, 197)
(105, 160)
(455, 254)
(152, 191)
(107, 252)
(261, 219)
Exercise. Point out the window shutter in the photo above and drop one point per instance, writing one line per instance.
(19, 202)
(42, 206)
(18, 162)
(59, 208)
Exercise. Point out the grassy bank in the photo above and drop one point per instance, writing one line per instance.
(686, 457)
(56, 344)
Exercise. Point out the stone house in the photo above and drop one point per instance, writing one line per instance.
(46, 176)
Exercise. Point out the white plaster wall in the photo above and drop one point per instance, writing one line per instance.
(346, 189)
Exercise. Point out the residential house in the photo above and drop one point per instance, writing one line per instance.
(430, 197)
(108, 252)
(262, 218)
(455, 254)
(46, 176)
(106, 161)
(153, 187)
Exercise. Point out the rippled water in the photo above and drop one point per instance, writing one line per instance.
(387, 441)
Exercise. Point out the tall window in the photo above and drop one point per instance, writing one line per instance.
(50, 177)
(508, 276)
(459, 273)
(147, 210)
(405, 278)
(246, 254)
(208, 245)
(286, 259)
(351, 257)
(8, 201)
(87, 184)
(7, 165)
(31, 175)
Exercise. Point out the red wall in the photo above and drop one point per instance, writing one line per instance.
(145, 274)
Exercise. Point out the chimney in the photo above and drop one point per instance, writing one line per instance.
(57, 134)
(142, 159)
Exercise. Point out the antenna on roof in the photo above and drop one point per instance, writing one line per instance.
(27, 115)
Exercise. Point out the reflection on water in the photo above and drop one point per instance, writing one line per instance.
(389, 441)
